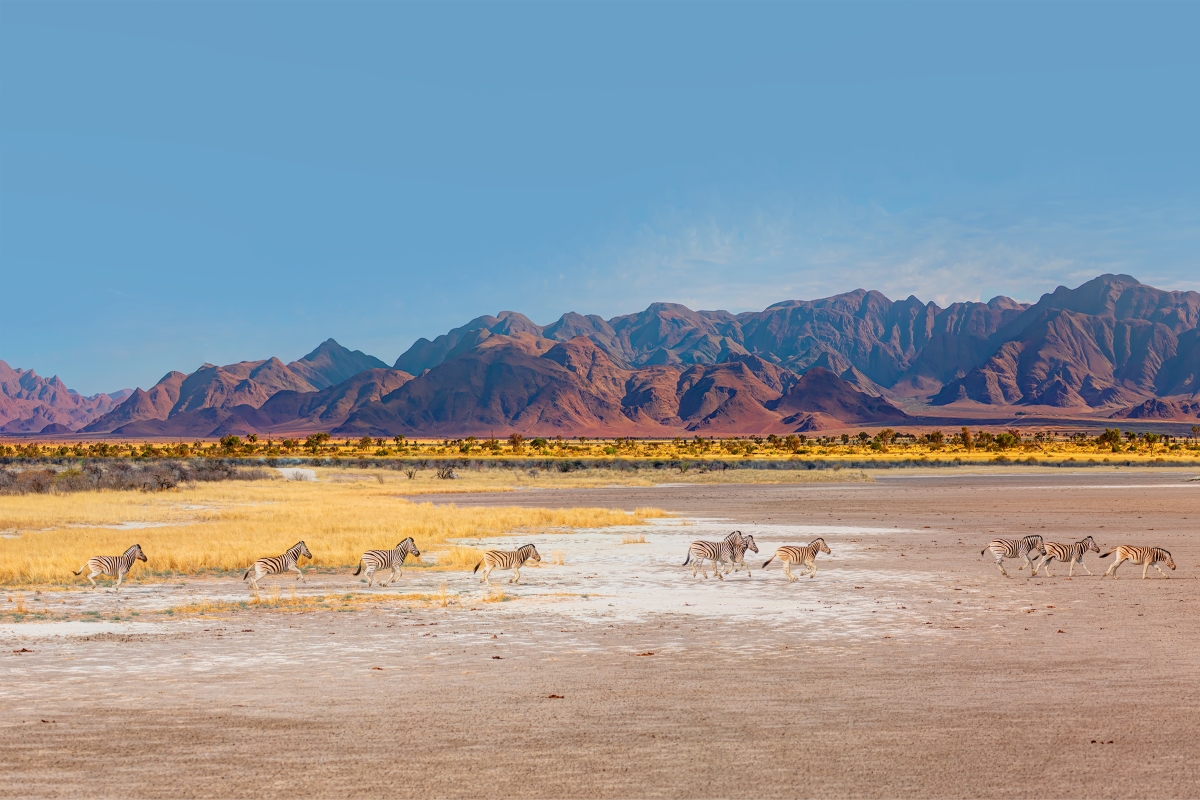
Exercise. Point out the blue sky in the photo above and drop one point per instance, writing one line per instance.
(188, 182)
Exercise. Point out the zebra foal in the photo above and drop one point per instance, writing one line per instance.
(385, 559)
(507, 559)
(113, 566)
(275, 565)
(1015, 548)
(1149, 556)
(717, 552)
(1067, 553)
(807, 555)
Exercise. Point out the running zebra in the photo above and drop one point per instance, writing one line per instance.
(739, 553)
(717, 552)
(1015, 548)
(507, 559)
(117, 566)
(1067, 553)
(1150, 556)
(385, 559)
(807, 555)
(275, 565)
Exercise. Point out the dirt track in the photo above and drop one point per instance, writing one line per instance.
(922, 674)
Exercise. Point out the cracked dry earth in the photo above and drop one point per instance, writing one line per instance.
(907, 668)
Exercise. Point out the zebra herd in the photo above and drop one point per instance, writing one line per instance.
(727, 555)
(1072, 554)
(732, 551)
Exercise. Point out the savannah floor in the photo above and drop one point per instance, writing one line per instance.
(907, 667)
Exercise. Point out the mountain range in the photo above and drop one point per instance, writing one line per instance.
(1112, 347)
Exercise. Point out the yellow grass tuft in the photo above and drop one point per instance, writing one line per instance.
(558, 558)
(496, 595)
(458, 557)
(633, 538)
(224, 527)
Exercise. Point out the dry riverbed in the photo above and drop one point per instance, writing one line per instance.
(907, 667)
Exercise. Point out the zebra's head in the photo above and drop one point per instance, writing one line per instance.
(824, 548)
(140, 556)
(412, 547)
(1170, 562)
(531, 553)
(1089, 544)
(734, 538)
(749, 542)
(303, 549)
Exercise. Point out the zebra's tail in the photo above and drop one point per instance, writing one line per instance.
(687, 560)
(359, 568)
(768, 561)
(984, 550)
(247, 575)
(81, 569)
(1105, 555)
(477, 566)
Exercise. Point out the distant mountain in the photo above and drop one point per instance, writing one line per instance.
(528, 383)
(246, 384)
(29, 403)
(1112, 347)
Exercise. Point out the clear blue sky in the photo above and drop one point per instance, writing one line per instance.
(188, 182)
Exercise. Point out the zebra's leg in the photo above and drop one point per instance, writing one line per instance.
(487, 570)
(1113, 569)
(1157, 567)
(516, 578)
(1071, 570)
(1000, 565)
(395, 576)
(813, 565)
(120, 577)
(1145, 569)
(90, 577)
(717, 570)
(370, 576)
(787, 570)
(296, 570)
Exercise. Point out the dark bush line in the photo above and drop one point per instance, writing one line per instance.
(122, 475)
(148, 471)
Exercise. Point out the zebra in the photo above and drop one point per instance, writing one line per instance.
(1015, 548)
(1150, 556)
(1067, 553)
(383, 559)
(507, 559)
(807, 555)
(113, 566)
(716, 552)
(739, 553)
(274, 565)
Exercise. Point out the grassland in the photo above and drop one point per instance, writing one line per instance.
(226, 526)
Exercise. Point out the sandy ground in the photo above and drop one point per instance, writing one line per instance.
(907, 667)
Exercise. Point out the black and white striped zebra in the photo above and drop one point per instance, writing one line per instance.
(507, 559)
(1015, 548)
(275, 565)
(387, 559)
(739, 553)
(113, 566)
(1067, 554)
(807, 555)
(717, 552)
(1148, 556)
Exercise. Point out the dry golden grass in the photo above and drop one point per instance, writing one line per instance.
(633, 538)
(558, 558)
(459, 557)
(226, 526)
(325, 602)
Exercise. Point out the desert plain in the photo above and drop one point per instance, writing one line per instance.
(908, 667)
